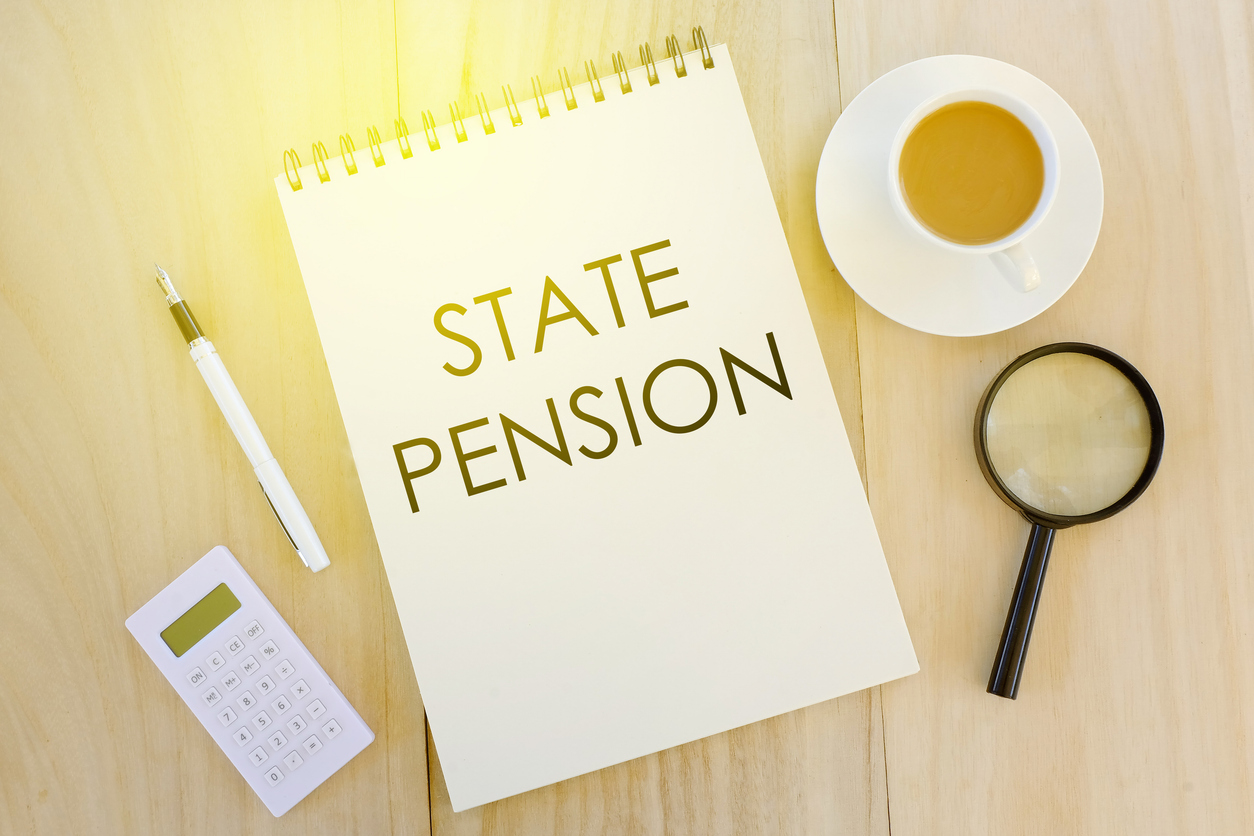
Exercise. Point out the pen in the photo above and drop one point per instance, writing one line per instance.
(283, 502)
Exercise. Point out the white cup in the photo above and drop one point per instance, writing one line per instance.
(1024, 274)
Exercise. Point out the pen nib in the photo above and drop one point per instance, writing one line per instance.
(167, 287)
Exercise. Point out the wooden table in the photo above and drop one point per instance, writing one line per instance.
(135, 130)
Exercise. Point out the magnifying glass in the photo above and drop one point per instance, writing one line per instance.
(1067, 434)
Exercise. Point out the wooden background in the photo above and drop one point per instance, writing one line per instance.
(135, 130)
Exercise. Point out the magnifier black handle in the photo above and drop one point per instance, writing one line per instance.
(1008, 666)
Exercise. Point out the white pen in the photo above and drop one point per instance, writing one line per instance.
(287, 508)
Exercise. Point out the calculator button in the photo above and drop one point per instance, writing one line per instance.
(265, 685)
(215, 661)
(234, 646)
(316, 709)
(254, 629)
(293, 759)
(242, 735)
(211, 697)
(261, 721)
(269, 650)
(285, 669)
(300, 690)
(258, 756)
(196, 677)
(297, 724)
(313, 744)
(274, 775)
(250, 666)
(246, 700)
(231, 681)
(281, 705)
(226, 716)
(277, 741)
(331, 729)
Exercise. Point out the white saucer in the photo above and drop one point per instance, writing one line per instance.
(893, 268)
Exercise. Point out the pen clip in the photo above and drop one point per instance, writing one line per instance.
(282, 524)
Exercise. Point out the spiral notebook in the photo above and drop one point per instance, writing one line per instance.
(593, 427)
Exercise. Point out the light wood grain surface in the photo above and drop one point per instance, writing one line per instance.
(136, 130)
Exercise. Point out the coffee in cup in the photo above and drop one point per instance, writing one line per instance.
(976, 171)
(971, 172)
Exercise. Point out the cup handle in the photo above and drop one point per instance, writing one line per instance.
(1026, 276)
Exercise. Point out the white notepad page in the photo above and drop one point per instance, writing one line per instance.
(625, 603)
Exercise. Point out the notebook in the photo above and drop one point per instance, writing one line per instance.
(592, 423)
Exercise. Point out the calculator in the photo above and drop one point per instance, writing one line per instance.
(261, 695)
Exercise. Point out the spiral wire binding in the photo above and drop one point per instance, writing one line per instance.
(563, 78)
(347, 149)
(428, 128)
(485, 116)
(646, 58)
(699, 42)
(320, 162)
(620, 69)
(459, 127)
(291, 160)
(372, 136)
(677, 55)
(537, 90)
(402, 138)
(515, 115)
(594, 81)
(290, 154)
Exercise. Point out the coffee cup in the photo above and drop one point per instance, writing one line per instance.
(954, 202)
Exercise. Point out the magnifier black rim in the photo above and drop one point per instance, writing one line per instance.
(1157, 434)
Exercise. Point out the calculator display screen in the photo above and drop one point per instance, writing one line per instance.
(196, 623)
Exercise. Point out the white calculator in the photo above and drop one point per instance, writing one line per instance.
(265, 700)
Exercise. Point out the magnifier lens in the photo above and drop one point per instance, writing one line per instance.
(1068, 434)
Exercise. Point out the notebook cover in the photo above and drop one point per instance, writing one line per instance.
(582, 345)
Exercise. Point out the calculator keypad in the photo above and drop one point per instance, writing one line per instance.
(255, 664)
